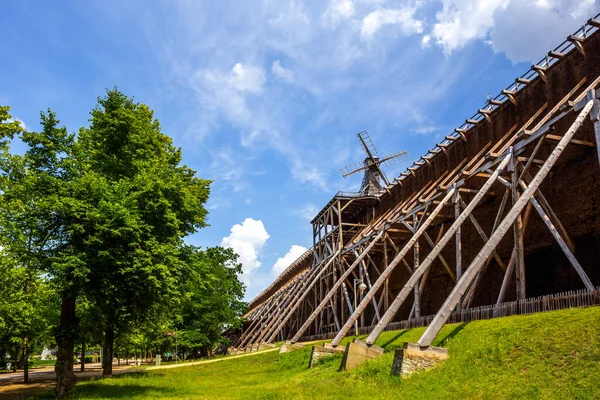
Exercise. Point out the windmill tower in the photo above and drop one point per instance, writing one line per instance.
(374, 178)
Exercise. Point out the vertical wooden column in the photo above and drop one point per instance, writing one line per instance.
(595, 117)
(518, 232)
(416, 289)
(458, 238)
(357, 292)
(386, 296)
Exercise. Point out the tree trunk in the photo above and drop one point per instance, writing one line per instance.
(65, 378)
(26, 363)
(82, 353)
(107, 352)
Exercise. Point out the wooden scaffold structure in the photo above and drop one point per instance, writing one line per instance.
(516, 185)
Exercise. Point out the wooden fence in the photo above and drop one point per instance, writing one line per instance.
(559, 301)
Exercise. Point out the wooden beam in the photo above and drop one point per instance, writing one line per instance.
(399, 300)
(586, 280)
(455, 296)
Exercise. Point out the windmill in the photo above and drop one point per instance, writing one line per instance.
(374, 176)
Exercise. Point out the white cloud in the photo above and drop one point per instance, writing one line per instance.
(248, 240)
(227, 92)
(338, 11)
(523, 29)
(282, 73)
(461, 21)
(292, 255)
(247, 78)
(524, 38)
(403, 17)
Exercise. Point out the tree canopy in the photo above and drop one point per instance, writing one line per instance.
(100, 217)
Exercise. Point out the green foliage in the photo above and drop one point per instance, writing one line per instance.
(541, 356)
(212, 296)
(27, 308)
(102, 217)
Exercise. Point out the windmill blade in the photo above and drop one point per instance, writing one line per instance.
(367, 144)
(352, 169)
(394, 158)
(382, 175)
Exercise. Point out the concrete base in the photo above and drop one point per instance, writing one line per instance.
(413, 358)
(323, 351)
(254, 347)
(266, 346)
(288, 346)
(357, 353)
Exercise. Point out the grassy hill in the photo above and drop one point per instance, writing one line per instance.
(544, 356)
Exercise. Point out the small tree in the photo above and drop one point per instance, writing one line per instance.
(212, 297)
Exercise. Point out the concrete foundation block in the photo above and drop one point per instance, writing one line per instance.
(254, 347)
(413, 358)
(266, 346)
(288, 346)
(322, 351)
(357, 352)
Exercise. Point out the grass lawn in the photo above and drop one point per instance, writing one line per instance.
(553, 355)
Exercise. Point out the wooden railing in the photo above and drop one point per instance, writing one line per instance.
(559, 301)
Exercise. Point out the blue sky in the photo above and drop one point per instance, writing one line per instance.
(265, 97)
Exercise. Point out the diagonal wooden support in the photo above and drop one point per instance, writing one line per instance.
(335, 287)
(292, 300)
(459, 290)
(388, 270)
(399, 300)
(288, 303)
(296, 304)
(563, 245)
(253, 331)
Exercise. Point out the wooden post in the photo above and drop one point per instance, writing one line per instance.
(458, 238)
(400, 256)
(518, 231)
(297, 303)
(563, 245)
(595, 117)
(417, 294)
(399, 300)
(335, 287)
(450, 304)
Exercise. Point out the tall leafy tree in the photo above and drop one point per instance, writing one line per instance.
(41, 210)
(103, 212)
(149, 203)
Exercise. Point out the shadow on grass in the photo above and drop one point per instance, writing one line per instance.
(453, 333)
(111, 388)
(392, 340)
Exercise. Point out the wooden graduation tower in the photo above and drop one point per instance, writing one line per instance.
(496, 219)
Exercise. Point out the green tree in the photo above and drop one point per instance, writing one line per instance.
(27, 311)
(212, 297)
(149, 203)
(103, 213)
(42, 210)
